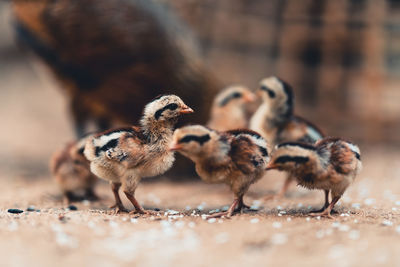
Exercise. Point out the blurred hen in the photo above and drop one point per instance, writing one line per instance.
(112, 57)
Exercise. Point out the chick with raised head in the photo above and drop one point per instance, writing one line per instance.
(124, 156)
(237, 158)
(228, 110)
(330, 165)
(71, 171)
(276, 122)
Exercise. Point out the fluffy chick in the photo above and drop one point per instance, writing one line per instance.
(228, 108)
(71, 171)
(276, 122)
(237, 158)
(124, 156)
(331, 165)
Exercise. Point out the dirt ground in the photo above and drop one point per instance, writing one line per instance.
(365, 232)
(35, 122)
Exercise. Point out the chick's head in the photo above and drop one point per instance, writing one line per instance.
(195, 141)
(277, 93)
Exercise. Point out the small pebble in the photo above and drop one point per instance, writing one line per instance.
(212, 220)
(308, 219)
(279, 239)
(354, 235)
(171, 212)
(15, 211)
(213, 211)
(225, 208)
(387, 223)
(254, 220)
(13, 226)
(277, 225)
(289, 219)
(254, 207)
(31, 208)
(329, 231)
(179, 224)
(222, 238)
(72, 207)
(86, 202)
(220, 221)
(188, 208)
(369, 201)
(320, 234)
(344, 228)
(134, 220)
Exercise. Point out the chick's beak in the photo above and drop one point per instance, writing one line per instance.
(185, 110)
(175, 147)
(271, 166)
(249, 97)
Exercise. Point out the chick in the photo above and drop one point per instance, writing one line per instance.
(114, 63)
(228, 108)
(331, 165)
(237, 158)
(126, 155)
(71, 171)
(275, 121)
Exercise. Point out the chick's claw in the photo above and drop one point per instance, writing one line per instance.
(325, 214)
(143, 212)
(119, 208)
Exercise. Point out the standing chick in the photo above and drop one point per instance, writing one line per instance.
(331, 165)
(228, 109)
(126, 155)
(237, 158)
(71, 171)
(275, 120)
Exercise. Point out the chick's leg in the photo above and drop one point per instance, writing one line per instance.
(130, 183)
(327, 211)
(326, 203)
(241, 204)
(138, 208)
(119, 207)
(227, 213)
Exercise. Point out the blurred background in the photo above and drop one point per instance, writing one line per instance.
(341, 57)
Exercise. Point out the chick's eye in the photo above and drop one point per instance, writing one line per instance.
(172, 106)
(271, 93)
(236, 95)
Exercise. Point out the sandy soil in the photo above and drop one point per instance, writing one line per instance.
(365, 232)
(34, 123)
